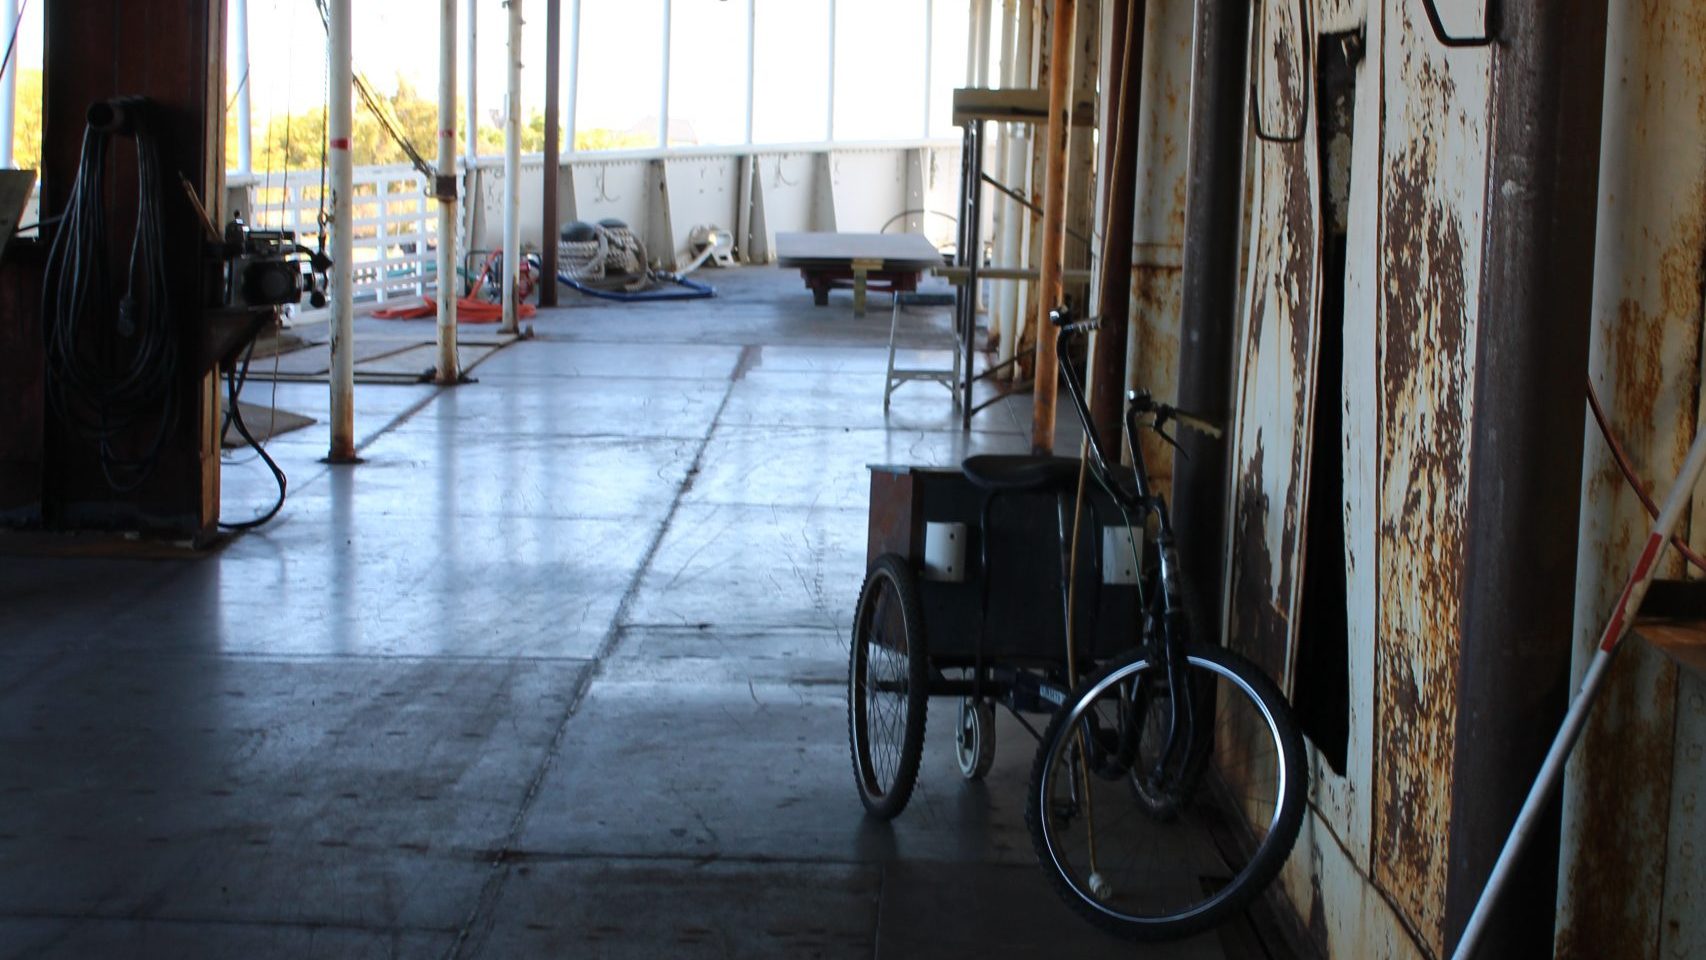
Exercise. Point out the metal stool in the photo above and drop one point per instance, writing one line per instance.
(949, 377)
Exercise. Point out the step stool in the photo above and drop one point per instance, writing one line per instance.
(949, 377)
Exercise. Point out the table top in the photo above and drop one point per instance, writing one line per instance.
(897, 251)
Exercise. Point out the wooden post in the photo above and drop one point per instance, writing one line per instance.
(1050, 288)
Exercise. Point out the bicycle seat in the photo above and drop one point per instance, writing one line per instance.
(1015, 473)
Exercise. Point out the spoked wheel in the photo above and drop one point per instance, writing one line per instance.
(887, 688)
(1155, 855)
(974, 738)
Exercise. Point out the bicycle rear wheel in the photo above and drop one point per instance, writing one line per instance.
(887, 688)
(1148, 873)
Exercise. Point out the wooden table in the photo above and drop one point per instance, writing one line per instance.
(891, 262)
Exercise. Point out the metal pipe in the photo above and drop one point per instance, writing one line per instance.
(1119, 191)
(1050, 288)
(751, 36)
(829, 115)
(1208, 298)
(448, 368)
(1531, 358)
(663, 97)
(1014, 247)
(239, 27)
(472, 150)
(338, 130)
(1001, 223)
(574, 70)
(929, 60)
(512, 175)
(553, 155)
(977, 11)
(985, 9)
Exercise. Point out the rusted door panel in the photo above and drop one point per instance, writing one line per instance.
(1433, 167)
(1276, 363)
(1625, 887)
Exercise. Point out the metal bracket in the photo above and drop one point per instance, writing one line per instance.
(1488, 36)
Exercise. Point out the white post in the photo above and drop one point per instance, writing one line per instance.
(240, 28)
(977, 10)
(449, 369)
(829, 121)
(574, 73)
(751, 39)
(338, 129)
(8, 83)
(984, 10)
(472, 150)
(929, 59)
(512, 174)
(1017, 220)
(663, 98)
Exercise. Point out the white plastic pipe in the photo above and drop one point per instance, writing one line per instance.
(245, 141)
(338, 129)
(1001, 291)
(449, 368)
(574, 75)
(512, 174)
(1616, 628)
(663, 98)
(472, 149)
(1014, 248)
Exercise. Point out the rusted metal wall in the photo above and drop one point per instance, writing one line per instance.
(1631, 876)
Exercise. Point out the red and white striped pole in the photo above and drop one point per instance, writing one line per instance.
(1552, 771)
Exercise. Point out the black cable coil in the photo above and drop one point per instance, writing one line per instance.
(112, 365)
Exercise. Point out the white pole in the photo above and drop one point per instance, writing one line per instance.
(448, 367)
(977, 11)
(338, 124)
(1017, 219)
(574, 72)
(984, 11)
(663, 98)
(239, 27)
(512, 174)
(1002, 290)
(8, 83)
(751, 38)
(929, 60)
(829, 115)
(472, 149)
(1628, 604)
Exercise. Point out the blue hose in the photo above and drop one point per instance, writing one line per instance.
(691, 290)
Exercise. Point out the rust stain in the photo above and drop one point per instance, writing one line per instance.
(1155, 306)
(1424, 430)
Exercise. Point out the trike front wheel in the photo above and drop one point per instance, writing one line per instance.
(887, 688)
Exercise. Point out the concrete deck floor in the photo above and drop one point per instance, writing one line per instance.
(558, 671)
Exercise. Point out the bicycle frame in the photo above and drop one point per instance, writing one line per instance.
(1145, 502)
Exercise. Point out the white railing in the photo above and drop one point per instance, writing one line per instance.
(396, 227)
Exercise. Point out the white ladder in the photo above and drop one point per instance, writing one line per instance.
(949, 377)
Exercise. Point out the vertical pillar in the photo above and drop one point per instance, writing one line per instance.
(512, 174)
(472, 150)
(829, 115)
(553, 154)
(1119, 190)
(663, 97)
(751, 38)
(8, 83)
(574, 70)
(929, 61)
(1050, 287)
(1209, 281)
(338, 128)
(245, 125)
(1531, 357)
(448, 368)
(1015, 217)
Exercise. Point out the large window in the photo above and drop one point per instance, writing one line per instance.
(621, 74)
(790, 83)
(879, 69)
(707, 72)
